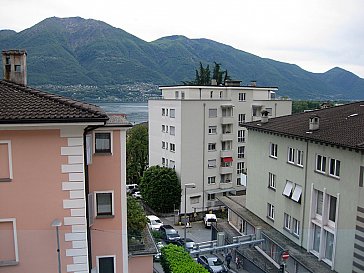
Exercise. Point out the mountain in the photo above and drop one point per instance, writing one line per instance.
(76, 51)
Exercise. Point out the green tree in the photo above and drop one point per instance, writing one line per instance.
(136, 217)
(136, 153)
(161, 189)
(203, 75)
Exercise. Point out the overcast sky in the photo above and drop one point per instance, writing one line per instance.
(317, 35)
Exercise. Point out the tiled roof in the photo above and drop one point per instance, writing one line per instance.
(21, 104)
(339, 125)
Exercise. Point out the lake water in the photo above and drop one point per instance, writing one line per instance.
(136, 112)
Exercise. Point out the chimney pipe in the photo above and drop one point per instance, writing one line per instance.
(15, 66)
(314, 123)
(264, 114)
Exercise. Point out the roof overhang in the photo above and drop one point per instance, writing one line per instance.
(219, 190)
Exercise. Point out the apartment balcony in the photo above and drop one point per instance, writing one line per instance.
(227, 120)
(226, 153)
(226, 184)
(226, 170)
(227, 137)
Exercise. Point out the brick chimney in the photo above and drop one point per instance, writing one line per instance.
(15, 66)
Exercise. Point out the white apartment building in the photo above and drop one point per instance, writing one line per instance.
(195, 129)
(305, 180)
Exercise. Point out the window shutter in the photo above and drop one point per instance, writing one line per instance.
(91, 209)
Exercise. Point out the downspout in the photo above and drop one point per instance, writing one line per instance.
(203, 156)
(87, 191)
(304, 196)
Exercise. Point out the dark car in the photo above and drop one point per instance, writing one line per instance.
(169, 234)
(212, 263)
(190, 244)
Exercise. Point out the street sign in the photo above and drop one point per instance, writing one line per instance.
(285, 255)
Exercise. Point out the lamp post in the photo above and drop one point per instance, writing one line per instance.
(187, 186)
(57, 223)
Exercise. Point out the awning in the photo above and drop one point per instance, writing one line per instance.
(227, 159)
(219, 190)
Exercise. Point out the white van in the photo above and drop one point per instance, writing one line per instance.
(130, 187)
(208, 219)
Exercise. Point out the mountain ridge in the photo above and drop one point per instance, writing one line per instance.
(72, 51)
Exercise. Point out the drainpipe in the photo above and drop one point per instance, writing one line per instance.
(203, 156)
(304, 196)
(87, 191)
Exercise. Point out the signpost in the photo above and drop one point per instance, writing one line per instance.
(284, 256)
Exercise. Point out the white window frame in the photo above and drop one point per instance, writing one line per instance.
(241, 136)
(241, 118)
(105, 256)
(328, 200)
(297, 192)
(172, 113)
(240, 167)
(211, 180)
(241, 151)
(91, 208)
(288, 188)
(163, 112)
(163, 128)
(10, 160)
(211, 147)
(291, 155)
(287, 225)
(296, 227)
(300, 158)
(213, 113)
(111, 142)
(242, 96)
(272, 180)
(273, 150)
(211, 197)
(172, 130)
(270, 211)
(320, 164)
(210, 165)
(112, 204)
(172, 164)
(334, 167)
(212, 130)
(172, 147)
(15, 236)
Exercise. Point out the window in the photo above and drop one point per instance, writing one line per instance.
(334, 167)
(320, 163)
(194, 200)
(296, 196)
(213, 113)
(212, 130)
(273, 150)
(172, 147)
(176, 94)
(299, 157)
(220, 94)
(241, 118)
(163, 145)
(241, 136)
(6, 166)
(226, 145)
(240, 167)
(291, 153)
(332, 208)
(172, 113)
(269, 110)
(319, 202)
(288, 189)
(211, 180)
(212, 163)
(272, 181)
(211, 197)
(163, 111)
(316, 238)
(287, 222)
(242, 96)
(329, 245)
(17, 68)
(172, 130)
(172, 164)
(295, 227)
(104, 203)
(211, 94)
(163, 128)
(105, 264)
(212, 146)
(164, 162)
(182, 95)
(270, 212)
(9, 246)
(361, 176)
(103, 142)
(241, 151)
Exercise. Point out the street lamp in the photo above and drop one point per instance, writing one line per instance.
(57, 223)
(187, 186)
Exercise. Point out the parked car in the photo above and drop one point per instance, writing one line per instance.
(212, 263)
(190, 244)
(169, 234)
(130, 187)
(208, 219)
(154, 223)
(137, 195)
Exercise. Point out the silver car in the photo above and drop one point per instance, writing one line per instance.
(212, 263)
